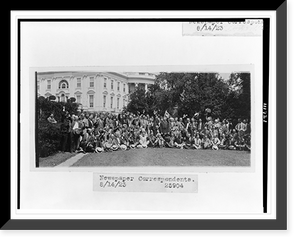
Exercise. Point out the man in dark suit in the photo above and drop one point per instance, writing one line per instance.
(65, 128)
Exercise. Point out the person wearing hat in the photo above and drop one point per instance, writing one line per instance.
(124, 144)
(108, 143)
(99, 150)
(115, 142)
(99, 143)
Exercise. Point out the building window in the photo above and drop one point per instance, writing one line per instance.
(112, 84)
(78, 98)
(104, 101)
(105, 80)
(78, 82)
(91, 82)
(91, 99)
(111, 102)
(124, 88)
(118, 86)
(63, 84)
(63, 98)
(48, 84)
(118, 103)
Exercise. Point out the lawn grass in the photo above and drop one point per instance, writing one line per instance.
(55, 159)
(166, 157)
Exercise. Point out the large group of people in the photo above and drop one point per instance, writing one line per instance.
(105, 132)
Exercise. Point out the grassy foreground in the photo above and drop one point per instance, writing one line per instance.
(55, 159)
(166, 157)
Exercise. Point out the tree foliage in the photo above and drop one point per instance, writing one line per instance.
(188, 93)
(49, 134)
(72, 99)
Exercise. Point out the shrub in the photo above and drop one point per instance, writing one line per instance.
(48, 138)
(49, 134)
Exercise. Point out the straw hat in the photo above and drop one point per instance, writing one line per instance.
(98, 150)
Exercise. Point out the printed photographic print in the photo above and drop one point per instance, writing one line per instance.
(139, 119)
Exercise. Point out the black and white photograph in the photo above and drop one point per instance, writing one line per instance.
(144, 116)
(87, 119)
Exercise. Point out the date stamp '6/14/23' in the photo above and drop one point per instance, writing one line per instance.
(120, 182)
(249, 27)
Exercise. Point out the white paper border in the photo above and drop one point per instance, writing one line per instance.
(19, 14)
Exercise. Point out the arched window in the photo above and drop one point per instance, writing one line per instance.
(63, 84)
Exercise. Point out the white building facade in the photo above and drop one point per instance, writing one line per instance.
(95, 91)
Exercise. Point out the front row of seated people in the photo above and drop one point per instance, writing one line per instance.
(113, 141)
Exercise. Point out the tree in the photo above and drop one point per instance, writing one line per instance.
(193, 92)
(188, 93)
(51, 97)
(137, 102)
(239, 98)
(49, 134)
(72, 100)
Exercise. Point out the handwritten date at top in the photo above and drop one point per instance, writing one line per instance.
(210, 27)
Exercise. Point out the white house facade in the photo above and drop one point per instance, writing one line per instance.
(95, 91)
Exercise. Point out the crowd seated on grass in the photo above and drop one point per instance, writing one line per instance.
(105, 132)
